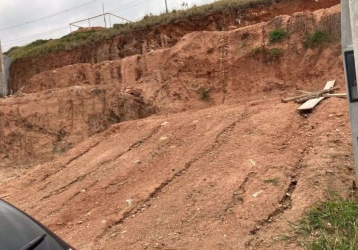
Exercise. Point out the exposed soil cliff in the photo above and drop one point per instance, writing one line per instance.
(35, 128)
(239, 63)
(68, 104)
(163, 36)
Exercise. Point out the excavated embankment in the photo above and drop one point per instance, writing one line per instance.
(57, 109)
(222, 165)
(159, 37)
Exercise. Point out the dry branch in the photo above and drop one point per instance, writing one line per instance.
(303, 98)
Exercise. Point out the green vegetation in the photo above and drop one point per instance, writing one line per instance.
(274, 181)
(204, 94)
(316, 39)
(270, 54)
(88, 38)
(277, 35)
(331, 225)
(13, 52)
(257, 50)
(274, 53)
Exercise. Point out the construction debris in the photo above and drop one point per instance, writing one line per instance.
(309, 95)
(311, 99)
(315, 95)
(340, 95)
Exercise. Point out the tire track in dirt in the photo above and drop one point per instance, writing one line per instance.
(146, 203)
(238, 195)
(82, 154)
(72, 198)
(285, 203)
(48, 175)
(95, 169)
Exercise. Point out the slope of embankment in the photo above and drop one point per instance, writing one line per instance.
(222, 164)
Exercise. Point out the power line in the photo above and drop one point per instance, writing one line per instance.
(49, 16)
(125, 5)
(34, 36)
(22, 39)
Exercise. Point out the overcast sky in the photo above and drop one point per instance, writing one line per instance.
(17, 12)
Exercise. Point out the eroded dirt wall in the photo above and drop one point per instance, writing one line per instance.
(159, 37)
(36, 127)
(228, 66)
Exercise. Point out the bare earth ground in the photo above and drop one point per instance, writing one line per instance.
(229, 173)
(188, 181)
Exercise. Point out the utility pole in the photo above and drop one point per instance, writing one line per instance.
(353, 9)
(166, 6)
(349, 17)
(3, 83)
(104, 16)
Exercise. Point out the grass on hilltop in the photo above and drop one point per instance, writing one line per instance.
(75, 40)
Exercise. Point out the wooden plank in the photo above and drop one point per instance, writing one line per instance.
(315, 95)
(336, 95)
(309, 95)
(306, 92)
(329, 85)
(310, 104)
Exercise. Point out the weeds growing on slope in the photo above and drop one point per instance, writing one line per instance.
(269, 54)
(316, 39)
(204, 94)
(331, 225)
(277, 35)
(274, 53)
(274, 181)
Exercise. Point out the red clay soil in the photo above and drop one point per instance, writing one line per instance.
(195, 180)
(158, 37)
(229, 172)
(62, 107)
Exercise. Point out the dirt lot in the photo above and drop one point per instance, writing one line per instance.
(229, 171)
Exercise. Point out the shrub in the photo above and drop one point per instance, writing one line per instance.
(316, 39)
(204, 94)
(269, 54)
(277, 35)
(274, 53)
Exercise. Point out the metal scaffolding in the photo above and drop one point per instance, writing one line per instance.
(108, 15)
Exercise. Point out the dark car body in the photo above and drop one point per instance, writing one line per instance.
(19, 231)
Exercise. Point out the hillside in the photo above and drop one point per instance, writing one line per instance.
(148, 36)
(186, 146)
